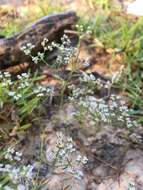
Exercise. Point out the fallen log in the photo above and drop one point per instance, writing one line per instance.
(50, 27)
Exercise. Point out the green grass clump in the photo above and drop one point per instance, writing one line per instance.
(125, 36)
(20, 99)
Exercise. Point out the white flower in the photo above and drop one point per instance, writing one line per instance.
(30, 46)
(17, 97)
(17, 158)
(7, 74)
(84, 160)
(11, 150)
(18, 154)
(62, 152)
(40, 95)
(44, 42)
(25, 75)
(35, 59)
(69, 139)
(19, 76)
(21, 187)
(11, 93)
(79, 157)
(50, 48)
(69, 146)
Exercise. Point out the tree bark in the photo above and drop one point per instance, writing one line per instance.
(51, 27)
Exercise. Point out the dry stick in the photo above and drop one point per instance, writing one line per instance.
(105, 163)
(112, 167)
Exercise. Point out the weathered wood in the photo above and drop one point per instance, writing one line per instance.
(50, 27)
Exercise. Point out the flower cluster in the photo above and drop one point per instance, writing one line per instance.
(27, 48)
(66, 157)
(81, 29)
(77, 92)
(95, 83)
(21, 88)
(5, 79)
(22, 96)
(88, 85)
(19, 176)
(99, 111)
(11, 154)
(17, 173)
(4, 74)
(41, 91)
(14, 95)
(65, 52)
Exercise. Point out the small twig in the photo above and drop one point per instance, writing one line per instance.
(113, 167)
(71, 32)
(105, 163)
